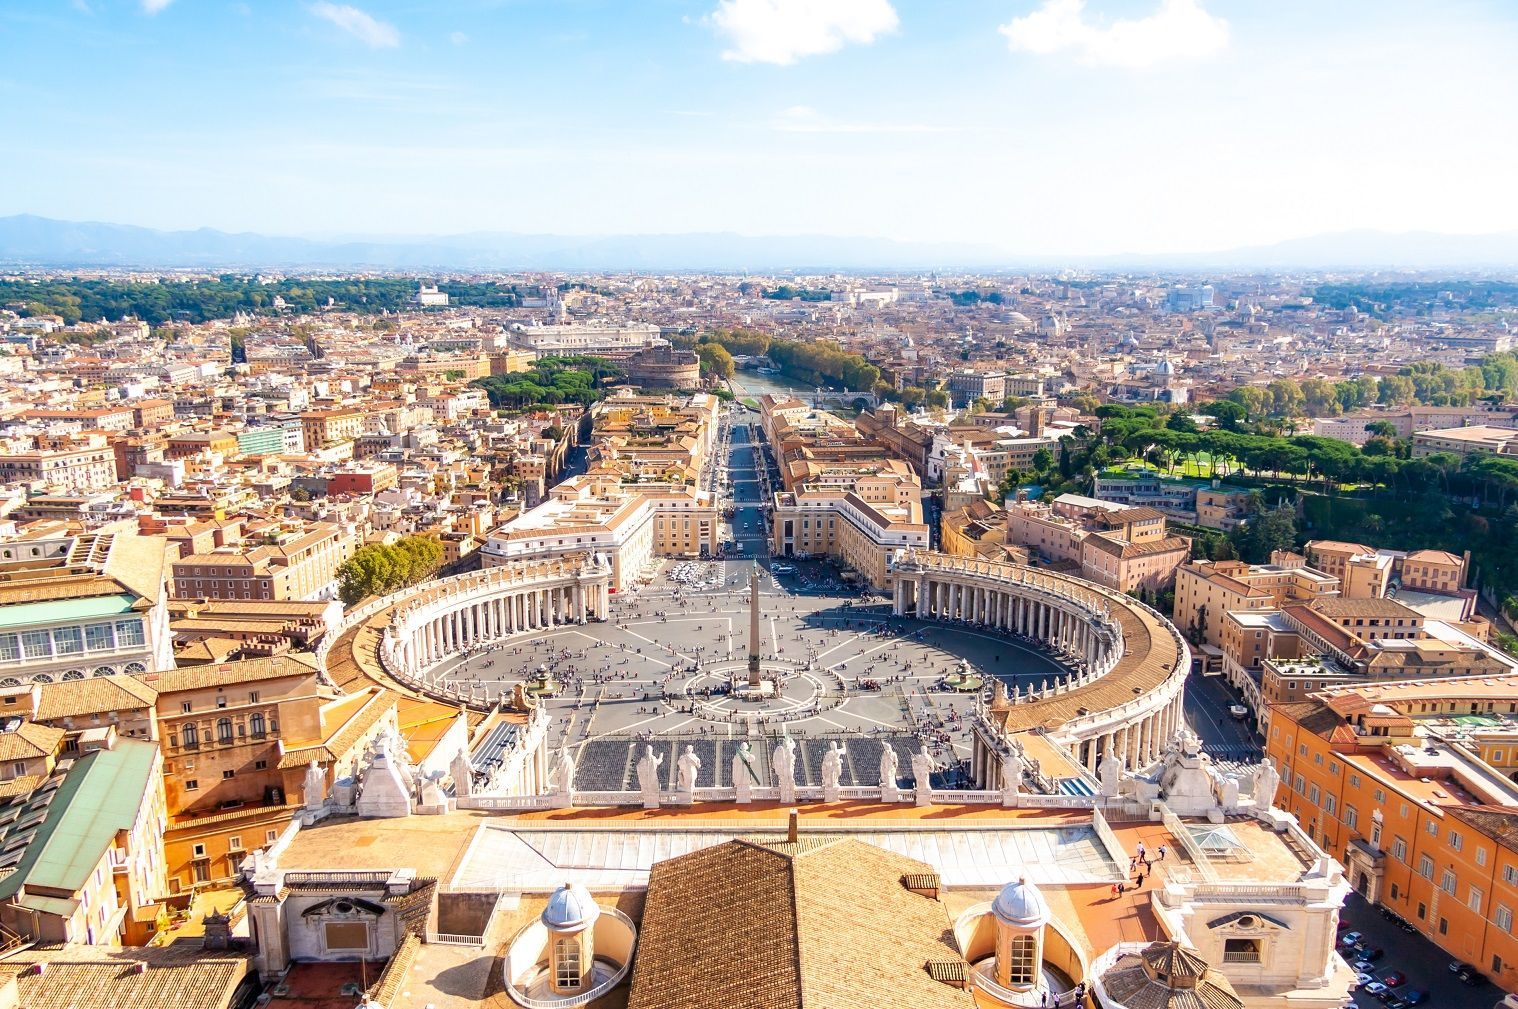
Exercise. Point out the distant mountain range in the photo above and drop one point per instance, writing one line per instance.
(39, 241)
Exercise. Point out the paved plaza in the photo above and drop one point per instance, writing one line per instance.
(669, 666)
(842, 667)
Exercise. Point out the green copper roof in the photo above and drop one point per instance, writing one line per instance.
(63, 611)
(100, 796)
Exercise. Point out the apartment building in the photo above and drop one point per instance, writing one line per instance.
(631, 523)
(295, 564)
(81, 843)
(1205, 590)
(1410, 785)
(1128, 549)
(1477, 439)
(78, 606)
(326, 428)
(1213, 505)
(75, 466)
(1369, 573)
(858, 518)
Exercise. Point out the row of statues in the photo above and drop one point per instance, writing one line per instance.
(745, 775)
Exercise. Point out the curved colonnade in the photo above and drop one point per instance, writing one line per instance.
(455, 614)
(1130, 663)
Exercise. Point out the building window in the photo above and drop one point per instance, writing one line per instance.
(1021, 969)
(68, 640)
(38, 644)
(1241, 951)
(566, 961)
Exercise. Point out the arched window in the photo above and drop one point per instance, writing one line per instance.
(1021, 970)
(256, 726)
(224, 730)
(566, 962)
(191, 735)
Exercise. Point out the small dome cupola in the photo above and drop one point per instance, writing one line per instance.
(1021, 906)
(570, 909)
(570, 918)
(1021, 914)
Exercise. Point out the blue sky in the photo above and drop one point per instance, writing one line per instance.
(1035, 126)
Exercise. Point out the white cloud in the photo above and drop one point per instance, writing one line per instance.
(371, 32)
(783, 31)
(154, 6)
(1178, 29)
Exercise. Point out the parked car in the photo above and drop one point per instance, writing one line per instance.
(1466, 973)
(1393, 979)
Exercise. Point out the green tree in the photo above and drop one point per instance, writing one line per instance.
(378, 569)
(716, 362)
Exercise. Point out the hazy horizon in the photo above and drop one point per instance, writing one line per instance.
(1045, 128)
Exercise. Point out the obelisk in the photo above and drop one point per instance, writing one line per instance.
(753, 627)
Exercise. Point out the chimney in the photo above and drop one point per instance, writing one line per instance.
(794, 827)
(218, 932)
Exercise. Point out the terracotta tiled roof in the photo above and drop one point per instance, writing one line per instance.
(103, 977)
(29, 741)
(226, 674)
(1497, 822)
(96, 695)
(828, 926)
(1167, 976)
(345, 735)
(1149, 652)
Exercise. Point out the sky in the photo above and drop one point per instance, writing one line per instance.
(1040, 127)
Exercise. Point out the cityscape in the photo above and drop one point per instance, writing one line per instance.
(691, 559)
